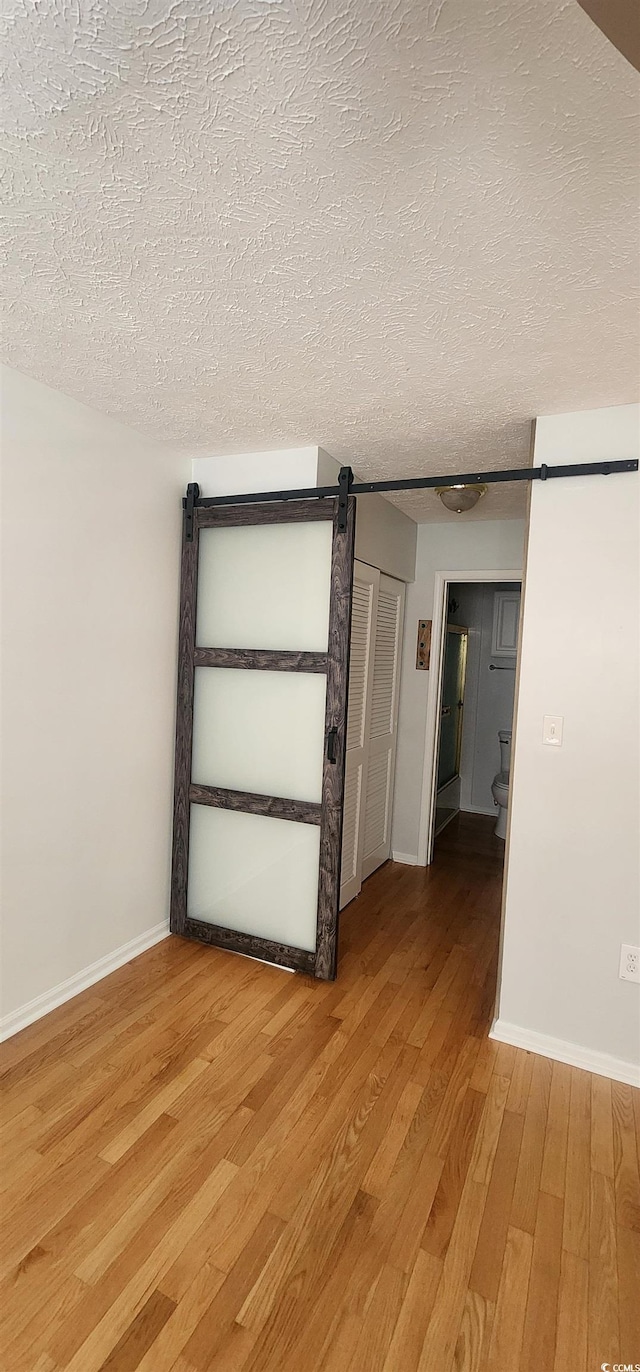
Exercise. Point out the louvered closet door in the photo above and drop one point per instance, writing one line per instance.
(383, 725)
(363, 615)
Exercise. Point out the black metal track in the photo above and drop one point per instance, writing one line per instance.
(420, 483)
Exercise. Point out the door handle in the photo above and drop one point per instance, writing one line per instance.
(332, 745)
(446, 710)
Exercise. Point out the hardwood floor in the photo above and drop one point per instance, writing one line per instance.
(213, 1164)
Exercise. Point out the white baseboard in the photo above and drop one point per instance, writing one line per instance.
(480, 810)
(50, 1000)
(561, 1051)
(409, 859)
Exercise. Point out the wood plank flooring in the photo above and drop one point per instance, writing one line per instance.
(209, 1165)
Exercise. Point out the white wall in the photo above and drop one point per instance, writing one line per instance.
(572, 891)
(488, 699)
(386, 537)
(91, 530)
(478, 546)
(278, 470)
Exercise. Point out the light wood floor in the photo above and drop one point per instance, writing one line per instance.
(212, 1164)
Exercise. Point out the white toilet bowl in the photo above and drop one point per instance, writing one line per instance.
(500, 783)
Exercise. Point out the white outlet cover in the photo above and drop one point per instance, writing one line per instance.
(629, 962)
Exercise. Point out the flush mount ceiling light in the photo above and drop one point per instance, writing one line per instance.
(460, 498)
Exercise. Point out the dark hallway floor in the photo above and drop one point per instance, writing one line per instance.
(469, 837)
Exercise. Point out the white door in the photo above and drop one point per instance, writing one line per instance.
(363, 618)
(383, 726)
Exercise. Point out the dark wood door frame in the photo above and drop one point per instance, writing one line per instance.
(335, 663)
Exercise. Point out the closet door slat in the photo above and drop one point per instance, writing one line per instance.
(383, 725)
(363, 616)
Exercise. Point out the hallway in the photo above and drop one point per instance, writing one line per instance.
(210, 1164)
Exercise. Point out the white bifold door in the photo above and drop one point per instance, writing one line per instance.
(262, 686)
(372, 724)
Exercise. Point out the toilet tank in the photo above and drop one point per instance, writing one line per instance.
(505, 749)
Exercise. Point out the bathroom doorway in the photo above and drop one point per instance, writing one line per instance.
(471, 699)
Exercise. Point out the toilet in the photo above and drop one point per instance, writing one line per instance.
(500, 783)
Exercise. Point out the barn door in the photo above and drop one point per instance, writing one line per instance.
(260, 740)
(383, 728)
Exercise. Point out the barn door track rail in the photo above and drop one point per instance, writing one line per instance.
(347, 486)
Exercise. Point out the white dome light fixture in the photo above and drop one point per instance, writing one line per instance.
(460, 498)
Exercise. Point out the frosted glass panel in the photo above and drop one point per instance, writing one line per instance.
(256, 875)
(265, 586)
(259, 731)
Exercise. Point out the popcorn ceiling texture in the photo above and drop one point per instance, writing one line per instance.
(396, 228)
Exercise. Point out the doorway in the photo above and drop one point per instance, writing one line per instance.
(472, 691)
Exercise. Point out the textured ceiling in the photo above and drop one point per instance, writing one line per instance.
(396, 228)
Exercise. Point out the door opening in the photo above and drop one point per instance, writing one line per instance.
(446, 614)
(476, 695)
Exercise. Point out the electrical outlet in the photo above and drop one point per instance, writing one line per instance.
(629, 962)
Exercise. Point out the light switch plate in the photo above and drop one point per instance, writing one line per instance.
(552, 726)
